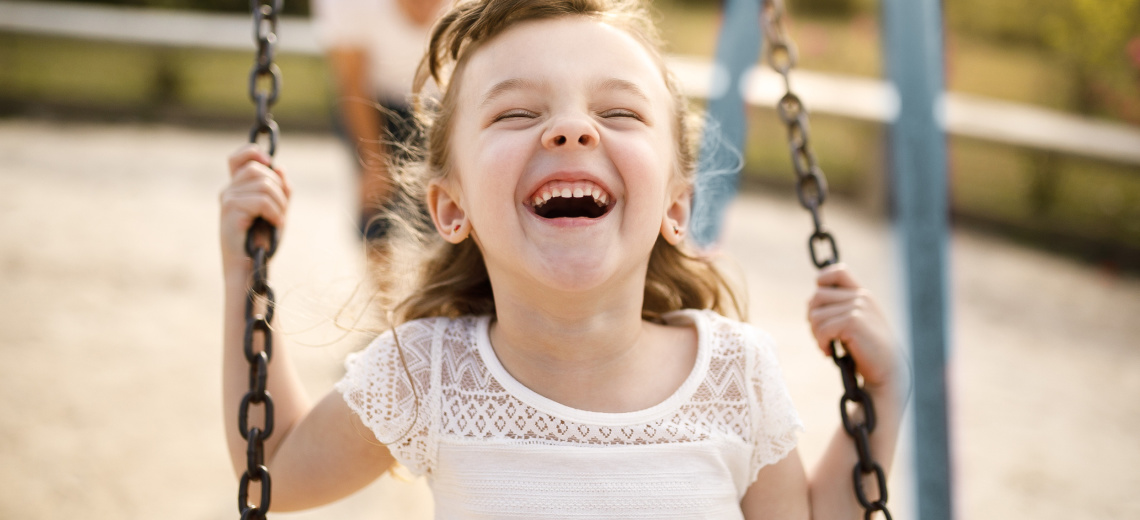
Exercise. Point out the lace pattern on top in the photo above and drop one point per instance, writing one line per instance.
(775, 423)
(377, 388)
(740, 396)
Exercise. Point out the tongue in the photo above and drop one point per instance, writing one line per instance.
(577, 207)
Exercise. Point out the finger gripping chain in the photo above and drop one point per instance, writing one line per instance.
(811, 188)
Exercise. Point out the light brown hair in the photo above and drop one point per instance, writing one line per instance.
(451, 279)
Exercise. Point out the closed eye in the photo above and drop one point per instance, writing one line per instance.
(620, 112)
(515, 113)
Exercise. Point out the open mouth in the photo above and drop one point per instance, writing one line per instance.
(570, 200)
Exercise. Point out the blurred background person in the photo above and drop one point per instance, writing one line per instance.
(373, 48)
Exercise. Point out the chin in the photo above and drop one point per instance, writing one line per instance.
(576, 276)
(584, 271)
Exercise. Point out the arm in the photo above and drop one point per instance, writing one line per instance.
(780, 491)
(363, 121)
(832, 488)
(315, 454)
(840, 309)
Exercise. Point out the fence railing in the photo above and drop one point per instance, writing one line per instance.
(846, 96)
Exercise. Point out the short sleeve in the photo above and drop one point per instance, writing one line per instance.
(389, 391)
(775, 424)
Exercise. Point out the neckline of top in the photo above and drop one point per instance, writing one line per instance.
(482, 338)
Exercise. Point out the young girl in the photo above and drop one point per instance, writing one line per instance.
(560, 353)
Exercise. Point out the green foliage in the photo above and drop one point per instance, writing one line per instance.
(1090, 37)
(1092, 34)
(1012, 21)
(1089, 31)
(826, 8)
(1086, 38)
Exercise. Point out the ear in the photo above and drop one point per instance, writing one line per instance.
(675, 223)
(446, 212)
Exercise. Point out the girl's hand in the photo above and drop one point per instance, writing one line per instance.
(843, 310)
(255, 190)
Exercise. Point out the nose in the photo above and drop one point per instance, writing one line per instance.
(570, 132)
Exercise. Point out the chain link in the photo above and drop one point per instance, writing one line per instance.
(260, 245)
(811, 189)
(265, 71)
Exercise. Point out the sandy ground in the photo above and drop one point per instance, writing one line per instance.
(110, 330)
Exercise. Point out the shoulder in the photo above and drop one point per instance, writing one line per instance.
(746, 351)
(415, 332)
(412, 344)
(740, 348)
(421, 333)
(391, 386)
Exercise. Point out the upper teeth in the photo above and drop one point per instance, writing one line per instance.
(570, 190)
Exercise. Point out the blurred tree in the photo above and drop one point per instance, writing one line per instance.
(827, 8)
(1011, 21)
(1087, 37)
(1091, 37)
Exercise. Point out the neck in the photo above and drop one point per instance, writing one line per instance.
(568, 331)
(578, 357)
(590, 350)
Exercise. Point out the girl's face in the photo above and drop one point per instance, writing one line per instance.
(562, 156)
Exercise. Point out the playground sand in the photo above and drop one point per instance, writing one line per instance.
(110, 330)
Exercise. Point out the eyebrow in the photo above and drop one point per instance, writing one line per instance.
(509, 85)
(621, 85)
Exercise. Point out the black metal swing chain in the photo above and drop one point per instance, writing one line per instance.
(260, 297)
(811, 189)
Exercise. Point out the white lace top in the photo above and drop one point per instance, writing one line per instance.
(493, 448)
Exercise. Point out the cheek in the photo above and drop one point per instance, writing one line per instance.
(647, 162)
(500, 151)
(490, 172)
(481, 162)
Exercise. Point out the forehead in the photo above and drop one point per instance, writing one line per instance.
(567, 51)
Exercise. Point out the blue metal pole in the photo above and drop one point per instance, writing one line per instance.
(913, 48)
(722, 145)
